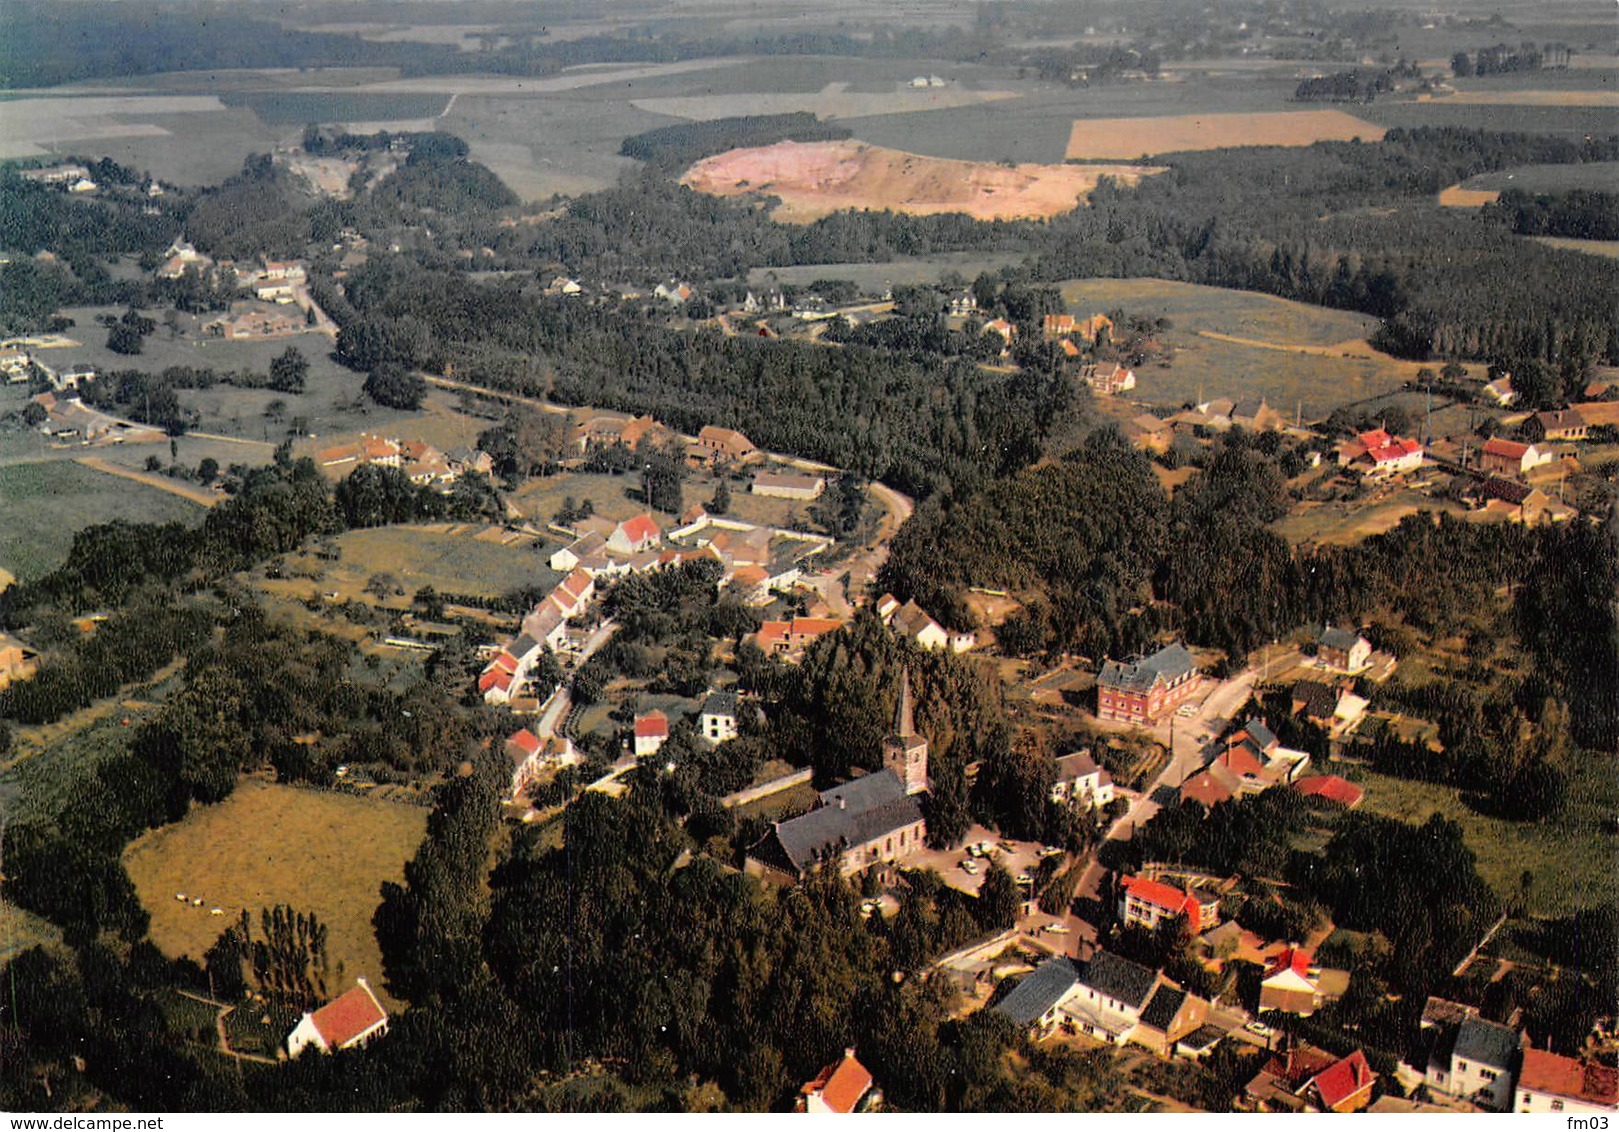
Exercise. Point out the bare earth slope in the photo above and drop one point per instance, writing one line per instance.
(819, 178)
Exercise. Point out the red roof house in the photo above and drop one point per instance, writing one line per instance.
(351, 1019)
(633, 535)
(1331, 788)
(651, 732)
(1346, 1086)
(839, 1087)
(1550, 1082)
(1149, 902)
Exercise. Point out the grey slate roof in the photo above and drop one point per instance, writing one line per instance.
(1119, 978)
(1202, 1038)
(719, 703)
(1161, 1008)
(1336, 638)
(1487, 1043)
(522, 646)
(1260, 733)
(871, 807)
(1320, 700)
(1168, 663)
(1071, 768)
(1039, 991)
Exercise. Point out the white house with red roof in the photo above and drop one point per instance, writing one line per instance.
(1148, 903)
(651, 733)
(1291, 983)
(1549, 1082)
(523, 747)
(635, 535)
(844, 1086)
(1378, 453)
(351, 1019)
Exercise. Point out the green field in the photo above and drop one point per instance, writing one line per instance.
(43, 505)
(432, 556)
(871, 278)
(300, 107)
(267, 845)
(1571, 858)
(1287, 351)
(1596, 175)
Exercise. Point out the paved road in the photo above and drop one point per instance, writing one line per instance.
(1192, 748)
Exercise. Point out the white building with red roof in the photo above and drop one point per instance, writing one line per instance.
(1148, 903)
(651, 733)
(1291, 983)
(635, 535)
(1549, 1082)
(1380, 453)
(844, 1086)
(523, 748)
(351, 1019)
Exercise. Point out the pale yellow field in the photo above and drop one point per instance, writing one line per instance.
(1606, 248)
(267, 845)
(1125, 138)
(1458, 197)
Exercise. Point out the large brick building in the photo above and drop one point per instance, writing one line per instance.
(1147, 689)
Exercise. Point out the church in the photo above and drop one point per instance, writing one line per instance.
(875, 819)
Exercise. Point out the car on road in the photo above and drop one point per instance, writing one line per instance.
(1186, 711)
(969, 866)
(1259, 1029)
(1059, 928)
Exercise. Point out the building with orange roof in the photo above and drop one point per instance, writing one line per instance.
(353, 1018)
(634, 535)
(1549, 1082)
(1148, 903)
(716, 445)
(1305, 1078)
(844, 1086)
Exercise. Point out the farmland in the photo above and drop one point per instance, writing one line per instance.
(1124, 139)
(267, 845)
(1241, 344)
(43, 505)
(297, 107)
(816, 179)
(1594, 175)
(461, 558)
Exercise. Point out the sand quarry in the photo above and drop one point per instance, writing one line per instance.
(816, 179)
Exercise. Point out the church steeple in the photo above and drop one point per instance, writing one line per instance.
(904, 718)
(904, 751)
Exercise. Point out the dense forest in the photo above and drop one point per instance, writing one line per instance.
(1583, 214)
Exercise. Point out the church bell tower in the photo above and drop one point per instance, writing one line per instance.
(904, 751)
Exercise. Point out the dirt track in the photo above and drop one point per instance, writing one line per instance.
(819, 178)
(162, 483)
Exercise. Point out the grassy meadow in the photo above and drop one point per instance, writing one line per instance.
(1571, 858)
(266, 845)
(1240, 344)
(43, 505)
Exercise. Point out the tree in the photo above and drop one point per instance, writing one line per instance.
(721, 503)
(1460, 65)
(207, 470)
(391, 384)
(663, 478)
(288, 371)
(998, 900)
(124, 339)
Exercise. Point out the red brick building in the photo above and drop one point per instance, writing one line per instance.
(1145, 690)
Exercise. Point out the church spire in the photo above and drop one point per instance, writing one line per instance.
(904, 721)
